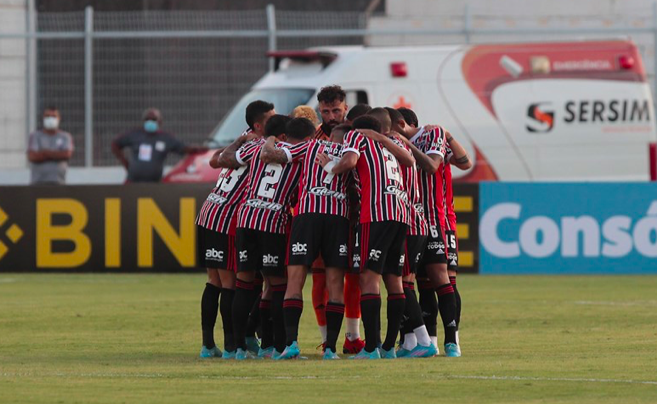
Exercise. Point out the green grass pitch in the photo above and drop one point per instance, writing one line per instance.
(135, 339)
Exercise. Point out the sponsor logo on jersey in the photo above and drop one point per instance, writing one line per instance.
(419, 208)
(541, 118)
(214, 255)
(343, 250)
(322, 191)
(269, 260)
(260, 204)
(299, 249)
(214, 198)
(418, 257)
(399, 193)
(402, 259)
(243, 256)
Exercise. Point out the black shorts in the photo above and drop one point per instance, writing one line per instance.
(315, 233)
(382, 246)
(452, 243)
(435, 251)
(261, 251)
(215, 250)
(413, 252)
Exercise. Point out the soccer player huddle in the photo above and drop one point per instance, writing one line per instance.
(364, 197)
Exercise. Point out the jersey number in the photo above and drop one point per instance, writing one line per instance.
(392, 168)
(227, 182)
(269, 180)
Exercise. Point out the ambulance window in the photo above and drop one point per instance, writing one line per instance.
(284, 100)
(356, 97)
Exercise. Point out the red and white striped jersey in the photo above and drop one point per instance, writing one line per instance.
(272, 189)
(450, 219)
(219, 211)
(431, 185)
(383, 196)
(418, 223)
(319, 191)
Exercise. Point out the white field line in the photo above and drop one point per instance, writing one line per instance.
(644, 303)
(447, 377)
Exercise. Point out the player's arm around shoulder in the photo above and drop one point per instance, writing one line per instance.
(459, 156)
(229, 157)
(272, 154)
(346, 163)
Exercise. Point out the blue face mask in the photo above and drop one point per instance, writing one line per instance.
(150, 126)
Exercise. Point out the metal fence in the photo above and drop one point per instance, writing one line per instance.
(103, 69)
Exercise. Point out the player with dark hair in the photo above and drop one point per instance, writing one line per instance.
(263, 224)
(216, 225)
(333, 108)
(384, 218)
(409, 116)
(356, 111)
(321, 225)
(429, 147)
(418, 341)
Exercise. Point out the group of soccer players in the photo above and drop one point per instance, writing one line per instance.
(364, 197)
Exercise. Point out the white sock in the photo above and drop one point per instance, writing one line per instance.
(322, 330)
(410, 341)
(422, 336)
(457, 338)
(353, 328)
(434, 340)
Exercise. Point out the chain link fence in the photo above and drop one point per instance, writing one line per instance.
(194, 65)
(192, 79)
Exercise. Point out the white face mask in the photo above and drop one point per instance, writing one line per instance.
(51, 122)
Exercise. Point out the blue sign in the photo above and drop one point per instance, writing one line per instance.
(586, 228)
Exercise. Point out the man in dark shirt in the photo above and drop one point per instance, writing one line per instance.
(149, 147)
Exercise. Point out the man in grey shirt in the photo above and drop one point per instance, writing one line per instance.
(148, 148)
(49, 150)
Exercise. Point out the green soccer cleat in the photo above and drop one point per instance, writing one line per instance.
(266, 352)
(229, 355)
(452, 350)
(421, 351)
(390, 354)
(241, 355)
(403, 352)
(252, 345)
(363, 354)
(329, 354)
(290, 352)
(214, 352)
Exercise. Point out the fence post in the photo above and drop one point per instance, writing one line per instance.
(271, 27)
(30, 68)
(88, 86)
(468, 23)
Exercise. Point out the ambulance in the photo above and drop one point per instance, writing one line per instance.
(561, 111)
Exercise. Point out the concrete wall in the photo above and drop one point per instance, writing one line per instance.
(13, 81)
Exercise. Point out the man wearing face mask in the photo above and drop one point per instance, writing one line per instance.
(49, 150)
(149, 147)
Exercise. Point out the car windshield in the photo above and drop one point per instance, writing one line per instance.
(284, 100)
